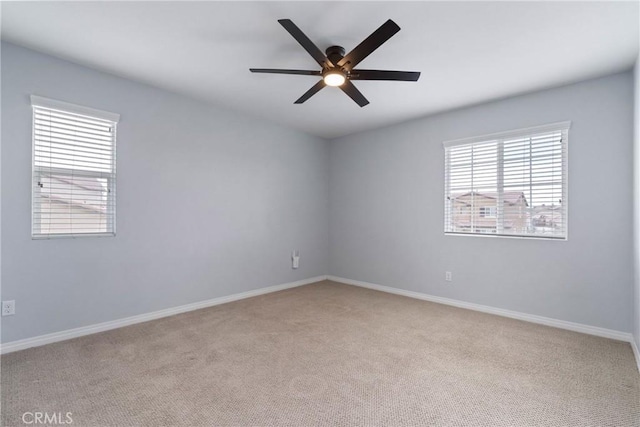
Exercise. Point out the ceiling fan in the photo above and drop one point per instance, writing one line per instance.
(337, 68)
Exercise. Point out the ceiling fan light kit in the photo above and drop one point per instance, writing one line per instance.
(338, 68)
(334, 77)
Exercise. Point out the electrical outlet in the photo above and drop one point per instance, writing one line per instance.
(8, 308)
(447, 276)
(295, 259)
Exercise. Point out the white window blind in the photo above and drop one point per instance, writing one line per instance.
(74, 170)
(509, 184)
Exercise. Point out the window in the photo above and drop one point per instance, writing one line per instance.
(488, 211)
(74, 174)
(508, 184)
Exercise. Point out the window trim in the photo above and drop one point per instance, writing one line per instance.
(66, 107)
(509, 134)
(514, 133)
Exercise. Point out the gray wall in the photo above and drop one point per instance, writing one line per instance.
(210, 203)
(636, 204)
(386, 210)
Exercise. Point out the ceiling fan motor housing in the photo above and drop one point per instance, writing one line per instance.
(335, 53)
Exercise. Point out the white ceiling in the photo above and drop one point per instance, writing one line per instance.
(468, 52)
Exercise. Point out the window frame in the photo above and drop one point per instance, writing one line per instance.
(499, 137)
(37, 172)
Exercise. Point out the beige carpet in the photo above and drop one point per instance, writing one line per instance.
(328, 354)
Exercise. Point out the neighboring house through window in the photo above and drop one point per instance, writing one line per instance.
(74, 172)
(512, 184)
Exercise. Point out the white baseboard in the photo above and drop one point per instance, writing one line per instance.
(114, 324)
(562, 324)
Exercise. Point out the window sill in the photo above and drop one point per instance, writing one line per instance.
(506, 236)
(69, 236)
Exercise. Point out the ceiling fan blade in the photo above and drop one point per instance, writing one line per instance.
(306, 43)
(354, 93)
(277, 71)
(371, 43)
(403, 76)
(308, 94)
